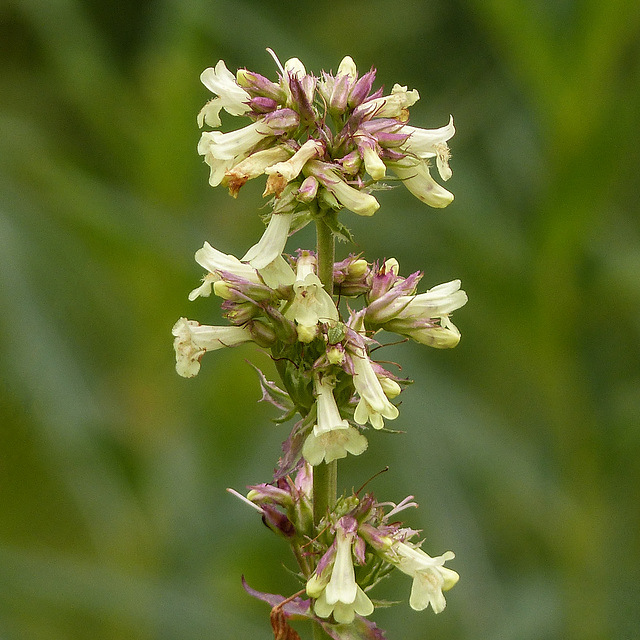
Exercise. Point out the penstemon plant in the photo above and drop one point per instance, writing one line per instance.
(324, 143)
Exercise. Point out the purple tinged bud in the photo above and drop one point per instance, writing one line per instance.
(386, 307)
(361, 88)
(308, 190)
(378, 125)
(340, 94)
(281, 120)
(351, 163)
(265, 493)
(300, 100)
(351, 276)
(376, 538)
(391, 156)
(390, 139)
(239, 289)
(384, 277)
(278, 522)
(260, 85)
(359, 549)
(260, 104)
(239, 314)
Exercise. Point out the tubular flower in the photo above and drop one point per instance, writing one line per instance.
(430, 576)
(341, 595)
(271, 244)
(374, 404)
(425, 317)
(311, 304)
(238, 143)
(291, 168)
(391, 106)
(253, 166)
(231, 96)
(363, 204)
(332, 437)
(193, 340)
(430, 143)
(218, 263)
(415, 175)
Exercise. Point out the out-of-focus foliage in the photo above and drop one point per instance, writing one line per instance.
(522, 444)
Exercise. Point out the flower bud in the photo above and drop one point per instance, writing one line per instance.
(281, 120)
(278, 522)
(261, 104)
(260, 85)
(308, 190)
(362, 88)
(335, 355)
(351, 163)
(262, 334)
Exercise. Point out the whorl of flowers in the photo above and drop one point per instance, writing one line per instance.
(332, 138)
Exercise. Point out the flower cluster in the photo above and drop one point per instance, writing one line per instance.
(358, 546)
(323, 143)
(284, 307)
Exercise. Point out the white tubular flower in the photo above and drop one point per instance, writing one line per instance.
(332, 437)
(333, 445)
(431, 143)
(252, 167)
(218, 167)
(390, 106)
(271, 244)
(342, 596)
(438, 301)
(364, 204)
(312, 304)
(291, 168)
(425, 317)
(416, 177)
(215, 262)
(373, 164)
(234, 144)
(278, 274)
(328, 413)
(443, 336)
(374, 404)
(231, 97)
(193, 340)
(430, 576)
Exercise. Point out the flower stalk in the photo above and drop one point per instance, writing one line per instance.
(323, 143)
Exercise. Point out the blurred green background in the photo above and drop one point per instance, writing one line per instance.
(522, 444)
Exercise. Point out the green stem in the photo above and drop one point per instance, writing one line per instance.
(325, 248)
(325, 476)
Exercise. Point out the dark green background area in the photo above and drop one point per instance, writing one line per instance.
(521, 445)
